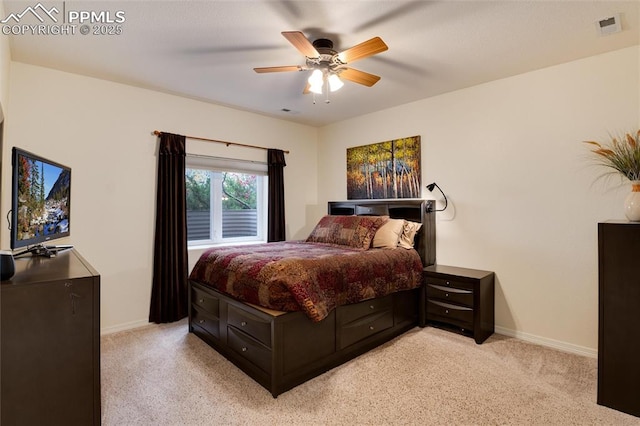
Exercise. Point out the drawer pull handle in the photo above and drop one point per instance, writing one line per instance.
(448, 283)
(446, 311)
(243, 323)
(244, 349)
(371, 307)
(371, 327)
(446, 295)
(201, 321)
(200, 300)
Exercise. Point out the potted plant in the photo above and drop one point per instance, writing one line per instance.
(622, 156)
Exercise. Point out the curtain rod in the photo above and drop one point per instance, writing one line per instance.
(158, 133)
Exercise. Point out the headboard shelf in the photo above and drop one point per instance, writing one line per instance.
(414, 210)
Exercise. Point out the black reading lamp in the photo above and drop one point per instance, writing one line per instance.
(435, 185)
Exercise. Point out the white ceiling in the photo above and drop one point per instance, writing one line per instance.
(207, 50)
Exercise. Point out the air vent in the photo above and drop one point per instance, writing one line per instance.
(610, 25)
(290, 111)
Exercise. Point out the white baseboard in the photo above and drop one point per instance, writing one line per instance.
(532, 338)
(543, 341)
(124, 327)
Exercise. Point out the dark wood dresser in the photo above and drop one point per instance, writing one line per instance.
(459, 299)
(619, 316)
(50, 342)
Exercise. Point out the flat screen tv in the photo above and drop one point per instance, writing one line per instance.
(41, 200)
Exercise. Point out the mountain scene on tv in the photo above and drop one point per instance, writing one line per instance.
(43, 199)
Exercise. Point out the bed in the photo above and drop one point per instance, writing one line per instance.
(297, 326)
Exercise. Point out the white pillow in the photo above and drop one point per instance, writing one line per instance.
(409, 231)
(389, 234)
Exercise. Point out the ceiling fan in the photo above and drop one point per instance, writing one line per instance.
(329, 66)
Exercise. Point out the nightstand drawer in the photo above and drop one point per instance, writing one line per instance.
(455, 314)
(448, 283)
(452, 294)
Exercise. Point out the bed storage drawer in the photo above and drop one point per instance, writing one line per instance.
(349, 313)
(363, 328)
(250, 324)
(249, 348)
(299, 349)
(206, 321)
(361, 320)
(205, 301)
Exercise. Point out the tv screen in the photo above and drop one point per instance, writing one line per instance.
(41, 200)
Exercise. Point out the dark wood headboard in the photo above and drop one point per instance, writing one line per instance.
(422, 211)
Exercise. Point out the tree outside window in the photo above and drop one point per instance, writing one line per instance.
(224, 206)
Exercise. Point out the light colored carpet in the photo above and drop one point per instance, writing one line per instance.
(162, 375)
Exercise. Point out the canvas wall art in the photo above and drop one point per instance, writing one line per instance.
(389, 169)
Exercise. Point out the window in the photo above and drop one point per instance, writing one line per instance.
(226, 200)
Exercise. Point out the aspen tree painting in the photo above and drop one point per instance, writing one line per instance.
(388, 169)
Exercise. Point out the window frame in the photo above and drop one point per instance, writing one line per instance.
(218, 165)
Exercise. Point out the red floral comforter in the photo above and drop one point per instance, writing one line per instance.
(312, 277)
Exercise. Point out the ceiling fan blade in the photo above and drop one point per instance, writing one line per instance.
(363, 50)
(278, 69)
(301, 43)
(359, 77)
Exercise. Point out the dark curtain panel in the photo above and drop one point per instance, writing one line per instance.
(169, 293)
(276, 163)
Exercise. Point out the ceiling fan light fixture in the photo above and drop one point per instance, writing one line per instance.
(316, 88)
(334, 82)
(316, 78)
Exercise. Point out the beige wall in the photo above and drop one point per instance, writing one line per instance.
(5, 59)
(5, 65)
(103, 131)
(524, 198)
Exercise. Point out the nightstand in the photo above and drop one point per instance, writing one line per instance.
(458, 299)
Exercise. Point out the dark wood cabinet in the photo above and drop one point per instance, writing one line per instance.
(50, 342)
(459, 299)
(619, 316)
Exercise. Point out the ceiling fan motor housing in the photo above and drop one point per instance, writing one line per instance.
(328, 58)
(324, 45)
